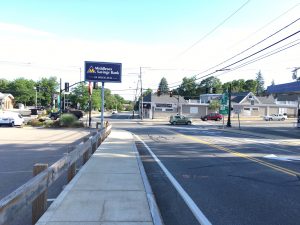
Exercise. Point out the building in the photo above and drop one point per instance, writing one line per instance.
(161, 106)
(6, 101)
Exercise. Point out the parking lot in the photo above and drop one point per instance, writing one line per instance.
(21, 148)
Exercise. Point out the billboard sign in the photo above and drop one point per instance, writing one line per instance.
(103, 72)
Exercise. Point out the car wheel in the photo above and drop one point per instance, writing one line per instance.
(270, 119)
(188, 123)
(205, 119)
(283, 119)
(174, 123)
(11, 124)
(52, 118)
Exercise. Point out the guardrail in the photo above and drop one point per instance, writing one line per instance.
(34, 192)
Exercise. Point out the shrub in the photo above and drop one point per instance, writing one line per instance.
(35, 123)
(67, 120)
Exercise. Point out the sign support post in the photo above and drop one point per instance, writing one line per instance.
(102, 104)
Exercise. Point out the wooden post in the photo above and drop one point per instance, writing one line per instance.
(71, 172)
(39, 205)
(72, 168)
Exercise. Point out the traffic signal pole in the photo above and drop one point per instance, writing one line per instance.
(229, 107)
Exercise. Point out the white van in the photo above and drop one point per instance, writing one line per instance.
(11, 119)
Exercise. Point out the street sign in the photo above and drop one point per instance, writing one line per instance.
(223, 109)
(103, 72)
(237, 109)
(224, 99)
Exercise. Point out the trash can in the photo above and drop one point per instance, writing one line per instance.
(33, 111)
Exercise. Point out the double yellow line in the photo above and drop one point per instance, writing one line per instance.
(241, 155)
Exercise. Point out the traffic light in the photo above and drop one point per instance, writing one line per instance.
(158, 92)
(171, 94)
(66, 86)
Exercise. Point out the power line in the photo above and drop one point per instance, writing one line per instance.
(266, 25)
(214, 29)
(249, 56)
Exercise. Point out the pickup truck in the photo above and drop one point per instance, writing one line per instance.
(275, 117)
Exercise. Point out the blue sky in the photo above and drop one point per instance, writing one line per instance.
(63, 34)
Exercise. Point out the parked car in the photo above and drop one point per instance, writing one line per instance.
(180, 119)
(11, 119)
(78, 113)
(212, 116)
(54, 115)
(274, 117)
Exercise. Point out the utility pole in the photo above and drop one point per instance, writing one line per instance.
(142, 109)
(229, 107)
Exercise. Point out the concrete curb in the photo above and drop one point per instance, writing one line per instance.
(155, 213)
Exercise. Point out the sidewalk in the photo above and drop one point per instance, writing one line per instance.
(108, 190)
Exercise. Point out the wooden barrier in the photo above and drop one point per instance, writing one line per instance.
(39, 205)
(31, 190)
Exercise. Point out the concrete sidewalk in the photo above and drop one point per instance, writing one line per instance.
(109, 189)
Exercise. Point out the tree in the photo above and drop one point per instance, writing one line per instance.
(273, 82)
(250, 85)
(23, 91)
(210, 85)
(80, 95)
(238, 86)
(214, 105)
(260, 83)
(4, 84)
(163, 86)
(188, 88)
(47, 88)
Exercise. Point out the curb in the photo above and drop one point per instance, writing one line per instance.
(155, 213)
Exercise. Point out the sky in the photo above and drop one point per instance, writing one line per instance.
(171, 39)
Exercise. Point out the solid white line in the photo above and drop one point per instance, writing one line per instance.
(187, 199)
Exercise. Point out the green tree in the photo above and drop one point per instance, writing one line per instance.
(80, 95)
(4, 85)
(163, 86)
(214, 105)
(250, 85)
(188, 88)
(260, 83)
(47, 88)
(238, 86)
(23, 91)
(210, 85)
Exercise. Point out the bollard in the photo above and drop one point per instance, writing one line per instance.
(39, 205)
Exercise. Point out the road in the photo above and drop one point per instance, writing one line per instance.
(230, 177)
(21, 148)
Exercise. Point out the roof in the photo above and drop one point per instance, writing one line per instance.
(238, 97)
(5, 95)
(267, 99)
(293, 87)
(147, 98)
(287, 98)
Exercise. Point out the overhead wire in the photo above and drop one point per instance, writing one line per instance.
(214, 29)
(247, 57)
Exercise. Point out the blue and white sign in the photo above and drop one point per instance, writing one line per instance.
(103, 72)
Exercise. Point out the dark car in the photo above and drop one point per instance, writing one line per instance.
(78, 113)
(212, 116)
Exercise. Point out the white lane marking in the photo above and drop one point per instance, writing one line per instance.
(187, 199)
(275, 157)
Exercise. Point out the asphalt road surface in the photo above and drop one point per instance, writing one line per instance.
(220, 177)
(21, 148)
